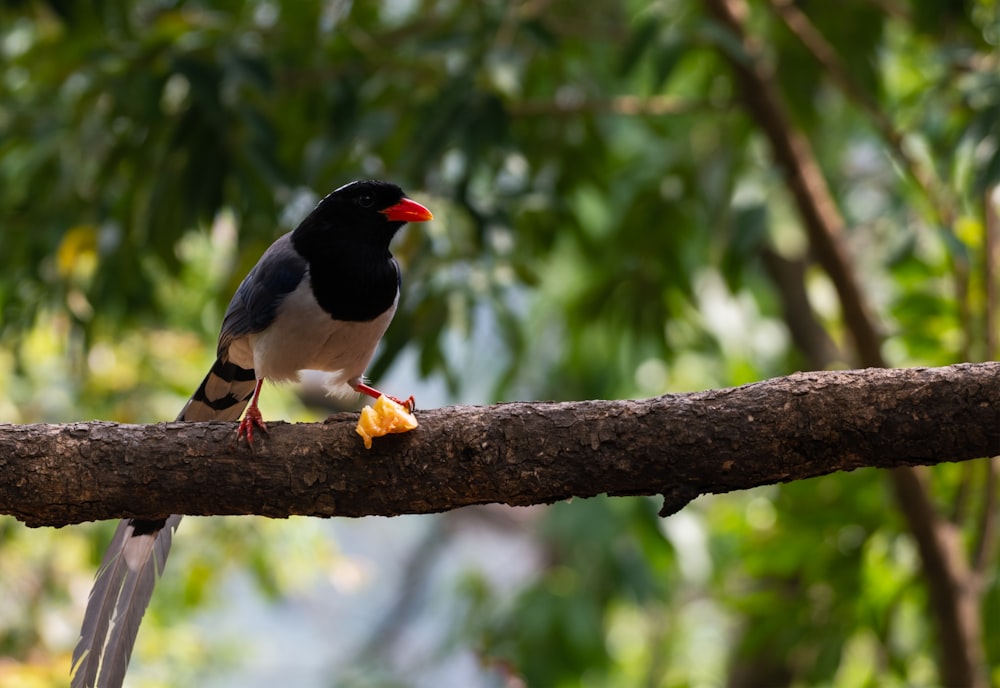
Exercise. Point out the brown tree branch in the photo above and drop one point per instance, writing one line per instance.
(790, 428)
(984, 551)
(991, 270)
(953, 588)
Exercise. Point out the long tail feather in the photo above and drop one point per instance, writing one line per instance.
(138, 552)
(121, 593)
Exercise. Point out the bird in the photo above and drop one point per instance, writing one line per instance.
(319, 298)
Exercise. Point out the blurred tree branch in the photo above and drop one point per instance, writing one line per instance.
(626, 105)
(804, 178)
(808, 333)
(953, 588)
(798, 22)
(678, 445)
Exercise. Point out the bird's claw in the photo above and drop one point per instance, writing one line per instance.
(251, 419)
(410, 404)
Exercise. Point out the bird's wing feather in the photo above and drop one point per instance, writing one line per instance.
(255, 305)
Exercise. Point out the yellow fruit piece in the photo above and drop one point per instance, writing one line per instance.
(384, 417)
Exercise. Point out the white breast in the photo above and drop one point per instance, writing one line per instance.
(305, 337)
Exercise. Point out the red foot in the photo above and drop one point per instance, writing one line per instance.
(410, 403)
(252, 417)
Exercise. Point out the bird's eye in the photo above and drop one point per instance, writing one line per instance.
(366, 200)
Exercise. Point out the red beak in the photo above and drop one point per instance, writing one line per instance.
(407, 211)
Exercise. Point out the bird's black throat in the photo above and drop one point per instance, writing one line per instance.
(355, 285)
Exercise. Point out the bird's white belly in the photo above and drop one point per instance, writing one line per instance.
(305, 337)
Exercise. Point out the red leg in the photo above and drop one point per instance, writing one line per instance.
(361, 387)
(252, 417)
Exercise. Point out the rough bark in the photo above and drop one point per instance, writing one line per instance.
(678, 445)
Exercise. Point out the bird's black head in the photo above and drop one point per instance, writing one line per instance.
(363, 214)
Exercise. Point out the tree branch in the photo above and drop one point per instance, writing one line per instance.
(682, 445)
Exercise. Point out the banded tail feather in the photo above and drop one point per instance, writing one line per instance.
(138, 551)
(222, 395)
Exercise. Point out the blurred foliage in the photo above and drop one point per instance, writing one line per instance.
(602, 207)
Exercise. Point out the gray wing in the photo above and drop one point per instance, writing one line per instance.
(255, 304)
(227, 388)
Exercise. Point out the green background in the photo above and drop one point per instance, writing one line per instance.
(608, 222)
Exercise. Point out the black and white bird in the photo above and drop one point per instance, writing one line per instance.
(320, 298)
